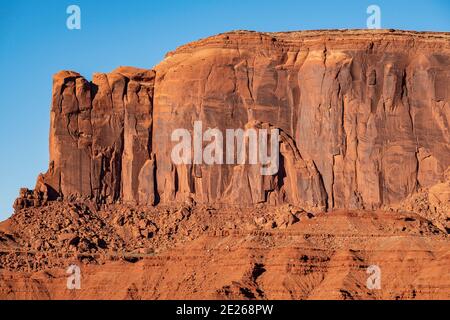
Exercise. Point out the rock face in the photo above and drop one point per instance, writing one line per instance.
(364, 118)
(101, 135)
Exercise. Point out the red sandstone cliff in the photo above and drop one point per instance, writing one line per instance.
(364, 118)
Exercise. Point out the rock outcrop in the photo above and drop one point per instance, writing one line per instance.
(101, 135)
(364, 118)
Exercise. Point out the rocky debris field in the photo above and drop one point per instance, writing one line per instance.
(41, 237)
(197, 252)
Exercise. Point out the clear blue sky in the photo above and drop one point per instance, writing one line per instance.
(35, 43)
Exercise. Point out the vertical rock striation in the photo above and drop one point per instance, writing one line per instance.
(364, 118)
(100, 136)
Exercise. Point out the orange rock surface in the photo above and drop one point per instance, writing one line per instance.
(364, 175)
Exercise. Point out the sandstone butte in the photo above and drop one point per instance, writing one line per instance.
(364, 175)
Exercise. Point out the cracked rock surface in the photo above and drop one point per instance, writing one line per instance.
(364, 174)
